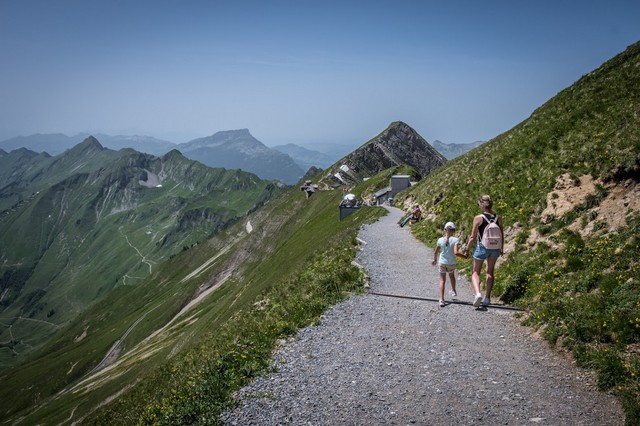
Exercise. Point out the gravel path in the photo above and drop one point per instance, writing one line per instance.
(377, 360)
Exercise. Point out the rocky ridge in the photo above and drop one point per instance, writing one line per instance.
(398, 144)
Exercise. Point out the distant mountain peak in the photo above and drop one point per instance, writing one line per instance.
(399, 144)
(238, 149)
(237, 132)
(174, 153)
(91, 143)
(89, 146)
(230, 135)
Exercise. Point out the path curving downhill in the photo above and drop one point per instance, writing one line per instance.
(377, 360)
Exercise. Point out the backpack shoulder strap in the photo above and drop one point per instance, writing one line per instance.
(494, 220)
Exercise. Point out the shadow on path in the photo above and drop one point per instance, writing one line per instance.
(395, 360)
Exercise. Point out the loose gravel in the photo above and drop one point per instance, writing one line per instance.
(378, 360)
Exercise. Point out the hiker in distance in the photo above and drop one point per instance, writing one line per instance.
(445, 257)
(487, 233)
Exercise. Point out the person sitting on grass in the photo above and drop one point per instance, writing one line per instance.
(413, 217)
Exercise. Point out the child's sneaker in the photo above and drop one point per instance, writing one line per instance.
(478, 300)
(486, 301)
(453, 293)
(442, 304)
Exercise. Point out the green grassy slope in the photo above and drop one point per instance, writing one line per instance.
(101, 227)
(282, 275)
(576, 272)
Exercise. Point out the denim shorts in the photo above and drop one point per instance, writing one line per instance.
(481, 253)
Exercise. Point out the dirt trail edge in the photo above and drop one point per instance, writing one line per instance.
(378, 360)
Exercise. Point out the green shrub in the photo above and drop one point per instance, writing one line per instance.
(611, 369)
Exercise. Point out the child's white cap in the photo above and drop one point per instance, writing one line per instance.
(449, 225)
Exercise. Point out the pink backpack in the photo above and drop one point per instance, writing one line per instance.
(492, 235)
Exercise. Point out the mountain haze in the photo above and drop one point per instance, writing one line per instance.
(238, 149)
(56, 143)
(305, 158)
(141, 143)
(51, 143)
(453, 150)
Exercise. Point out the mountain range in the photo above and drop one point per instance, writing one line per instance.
(57, 143)
(173, 347)
(77, 226)
(231, 149)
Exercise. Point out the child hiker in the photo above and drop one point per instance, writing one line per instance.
(445, 256)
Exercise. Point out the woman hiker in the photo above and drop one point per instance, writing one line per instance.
(481, 253)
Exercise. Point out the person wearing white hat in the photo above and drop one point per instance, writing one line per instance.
(445, 257)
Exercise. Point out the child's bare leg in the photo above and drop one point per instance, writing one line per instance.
(452, 279)
(442, 280)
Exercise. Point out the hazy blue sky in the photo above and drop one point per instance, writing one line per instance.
(296, 71)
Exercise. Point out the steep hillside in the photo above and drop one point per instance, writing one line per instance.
(238, 149)
(567, 184)
(397, 145)
(96, 220)
(218, 303)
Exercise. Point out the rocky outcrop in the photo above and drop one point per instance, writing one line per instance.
(397, 145)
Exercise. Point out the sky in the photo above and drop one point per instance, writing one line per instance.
(305, 72)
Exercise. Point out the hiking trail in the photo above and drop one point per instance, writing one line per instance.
(377, 360)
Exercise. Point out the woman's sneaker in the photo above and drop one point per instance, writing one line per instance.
(486, 302)
(478, 300)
